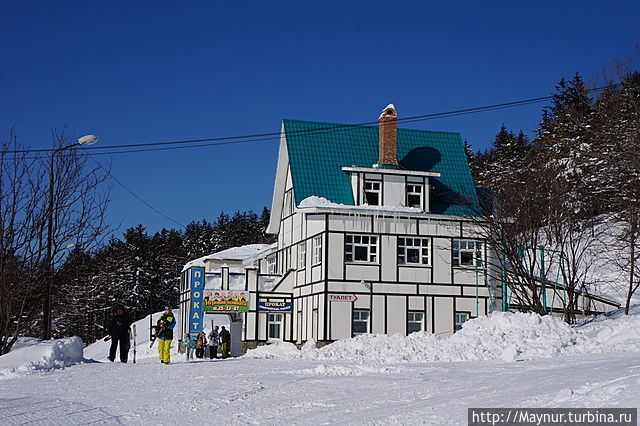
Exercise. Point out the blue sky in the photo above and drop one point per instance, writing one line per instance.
(134, 72)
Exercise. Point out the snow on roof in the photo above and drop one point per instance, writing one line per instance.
(235, 253)
(392, 106)
(321, 202)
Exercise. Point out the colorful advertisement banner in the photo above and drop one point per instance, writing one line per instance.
(279, 306)
(226, 301)
(195, 313)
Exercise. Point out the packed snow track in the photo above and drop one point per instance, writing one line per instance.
(269, 391)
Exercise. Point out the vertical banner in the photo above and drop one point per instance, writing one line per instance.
(195, 313)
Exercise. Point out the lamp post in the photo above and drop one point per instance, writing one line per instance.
(47, 317)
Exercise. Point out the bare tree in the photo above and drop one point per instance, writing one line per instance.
(511, 222)
(77, 217)
(21, 269)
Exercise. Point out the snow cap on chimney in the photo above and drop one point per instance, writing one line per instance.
(387, 137)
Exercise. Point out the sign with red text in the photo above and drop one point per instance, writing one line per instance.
(226, 301)
(339, 297)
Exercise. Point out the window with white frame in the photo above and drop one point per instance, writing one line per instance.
(302, 255)
(360, 324)
(414, 195)
(467, 253)
(460, 318)
(415, 321)
(275, 326)
(413, 251)
(361, 248)
(372, 192)
(317, 249)
(271, 264)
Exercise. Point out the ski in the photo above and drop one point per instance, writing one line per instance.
(134, 342)
(155, 335)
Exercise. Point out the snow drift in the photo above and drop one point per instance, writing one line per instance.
(39, 355)
(500, 336)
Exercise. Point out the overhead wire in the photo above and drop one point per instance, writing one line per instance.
(229, 140)
(130, 191)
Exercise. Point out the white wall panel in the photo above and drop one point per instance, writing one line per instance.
(414, 274)
(362, 272)
(336, 255)
(396, 314)
(340, 320)
(441, 260)
(389, 259)
(416, 303)
(378, 315)
(443, 310)
(393, 190)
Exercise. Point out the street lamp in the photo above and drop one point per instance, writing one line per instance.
(47, 317)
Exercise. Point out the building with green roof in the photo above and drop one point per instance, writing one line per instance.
(378, 231)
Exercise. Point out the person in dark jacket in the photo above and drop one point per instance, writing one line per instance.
(225, 340)
(214, 341)
(119, 334)
(201, 343)
(164, 331)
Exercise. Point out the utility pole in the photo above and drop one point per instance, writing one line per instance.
(47, 310)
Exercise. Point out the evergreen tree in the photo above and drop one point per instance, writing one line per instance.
(142, 271)
(503, 162)
(567, 151)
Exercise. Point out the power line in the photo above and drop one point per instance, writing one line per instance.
(131, 192)
(228, 140)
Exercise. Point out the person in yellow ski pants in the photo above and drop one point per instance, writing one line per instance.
(164, 353)
(165, 335)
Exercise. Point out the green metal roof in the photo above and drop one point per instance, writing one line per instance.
(318, 151)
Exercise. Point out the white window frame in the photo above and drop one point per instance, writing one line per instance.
(411, 190)
(422, 245)
(411, 320)
(461, 249)
(372, 187)
(302, 255)
(366, 320)
(279, 322)
(272, 264)
(457, 323)
(317, 249)
(353, 242)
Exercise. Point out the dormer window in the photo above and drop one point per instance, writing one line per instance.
(372, 192)
(414, 195)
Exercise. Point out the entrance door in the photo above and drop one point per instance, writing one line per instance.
(275, 323)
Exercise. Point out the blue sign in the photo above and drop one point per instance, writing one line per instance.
(195, 313)
(279, 306)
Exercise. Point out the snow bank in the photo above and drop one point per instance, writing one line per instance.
(500, 336)
(278, 349)
(40, 355)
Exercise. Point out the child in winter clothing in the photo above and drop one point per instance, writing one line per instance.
(189, 346)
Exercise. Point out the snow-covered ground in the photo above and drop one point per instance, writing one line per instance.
(372, 379)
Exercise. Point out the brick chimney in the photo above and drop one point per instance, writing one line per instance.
(387, 137)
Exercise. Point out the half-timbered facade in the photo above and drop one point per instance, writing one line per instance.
(377, 232)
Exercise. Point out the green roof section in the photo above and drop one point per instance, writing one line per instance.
(318, 151)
